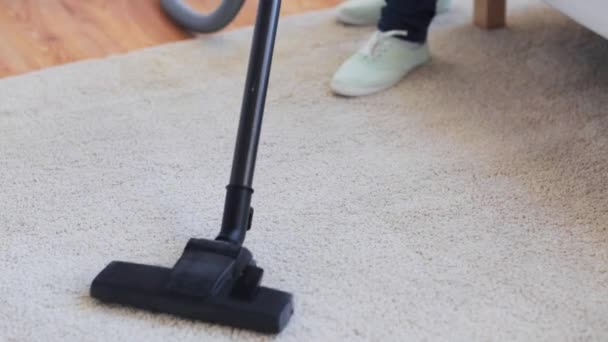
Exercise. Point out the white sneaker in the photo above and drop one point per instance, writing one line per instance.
(379, 65)
(360, 12)
(368, 12)
(443, 6)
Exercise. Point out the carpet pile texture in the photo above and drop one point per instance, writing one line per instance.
(470, 203)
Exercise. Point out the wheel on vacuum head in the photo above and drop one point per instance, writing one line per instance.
(194, 21)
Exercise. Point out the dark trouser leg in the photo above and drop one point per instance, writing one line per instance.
(414, 16)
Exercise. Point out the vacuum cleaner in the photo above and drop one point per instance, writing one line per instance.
(216, 281)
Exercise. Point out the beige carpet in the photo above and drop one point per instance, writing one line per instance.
(468, 204)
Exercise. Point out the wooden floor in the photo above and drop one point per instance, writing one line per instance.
(35, 34)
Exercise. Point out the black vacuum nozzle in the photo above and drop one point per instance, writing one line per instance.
(213, 281)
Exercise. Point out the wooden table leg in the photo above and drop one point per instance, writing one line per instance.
(490, 14)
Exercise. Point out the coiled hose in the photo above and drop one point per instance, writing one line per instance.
(194, 21)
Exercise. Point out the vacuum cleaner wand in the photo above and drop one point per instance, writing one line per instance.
(217, 280)
(237, 214)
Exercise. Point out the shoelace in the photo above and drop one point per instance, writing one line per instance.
(370, 48)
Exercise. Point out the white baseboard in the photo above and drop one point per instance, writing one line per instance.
(590, 13)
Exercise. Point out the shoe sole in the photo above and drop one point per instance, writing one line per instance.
(357, 92)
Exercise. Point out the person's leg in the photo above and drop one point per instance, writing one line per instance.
(398, 47)
(413, 16)
(368, 12)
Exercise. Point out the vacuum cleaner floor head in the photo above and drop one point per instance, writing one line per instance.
(200, 288)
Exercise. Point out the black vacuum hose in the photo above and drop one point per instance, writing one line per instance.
(194, 21)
